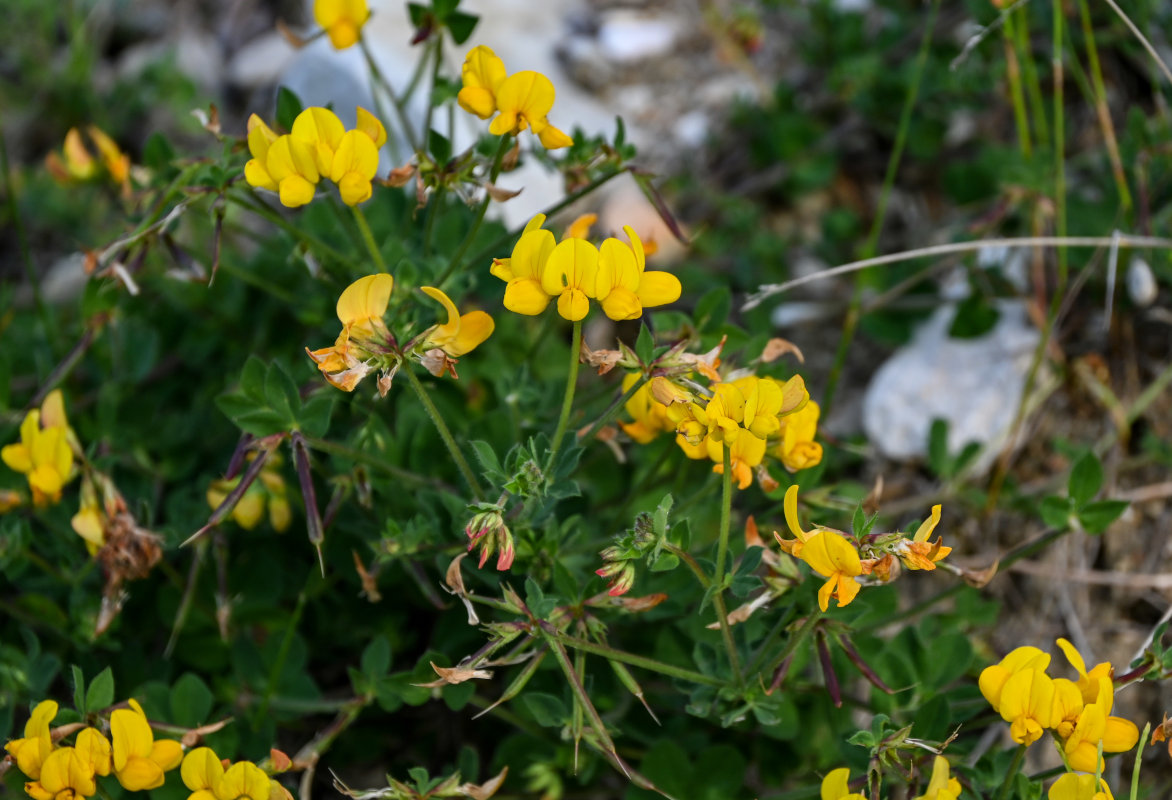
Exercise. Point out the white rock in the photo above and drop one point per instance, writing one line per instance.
(628, 36)
(691, 129)
(974, 385)
(261, 62)
(1141, 284)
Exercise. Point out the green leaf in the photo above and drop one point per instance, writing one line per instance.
(1097, 517)
(487, 458)
(439, 147)
(418, 13)
(78, 689)
(444, 7)
(712, 309)
(974, 317)
(314, 418)
(1085, 479)
(547, 710)
(681, 534)
(288, 107)
(191, 701)
(157, 153)
(938, 458)
(1056, 512)
(661, 513)
(252, 379)
(665, 563)
(750, 561)
(461, 25)
(645, 345)
(376, 658)
(101, 691)
(281, 393)
(620, 133)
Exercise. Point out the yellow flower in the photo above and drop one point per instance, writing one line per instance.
(919, 553)
(64, 776)
(836, 786)
(650, 416)
(1079, 787)
(993, 678)
(260, 139)
(623, 287)
(94, 750)
(267, 492)
(354, 167)
(79, 165)
(827, 552)
(797, 449)
(482, 73)
(941, 786)
(524, 99)
(569, 275)
(1096, 726)
(291, 164)
(745, 452)
(1088, 682)
(459, 335)
(321, 129)
(90, 522)
(205, 776)
(342, 20)
(139, 760)
(522, 271)
(31, 751)
(43, 456)
(364, 336)
(1027, 704)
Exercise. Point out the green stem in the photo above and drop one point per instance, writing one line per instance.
(1013, 67)
(283, 652)
(435, 76)
(614, 409)
(686, 557)
(800, 636)
(642, 662)
(851, 322)
(1101, 106)
(767, 642)
(368, 238)
(1059, 154)
(445, 434)
(568, 397)
(1030, 72)
(494, 172)
(1014, 768)
(433, 204)
(1139, 755)
(258, 207)
(726, 633)
(400, 110)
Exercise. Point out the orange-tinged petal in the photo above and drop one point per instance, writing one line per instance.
(371, 125)
(927, 526)
(201, 769)
(367, 298)
(53, 411)
(78, 161)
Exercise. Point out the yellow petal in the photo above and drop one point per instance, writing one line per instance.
(448, 330)
(525, 296)
(94, 749)
(295, 191)
(79, 162)
(53, 411)
(1119, 735)
(201, 769)
(64, 770)
(371, 125)
(524, 98)
(260, 137)
(483, 69)
(167, 753)
(573, 264)
(322, 131)
(256, 175)
(836, 784)
(531, 254)
(243, 780)
(622, 304)
(927, 526)
(132, 737)
(17, 457)
(828, 553)
(139, 774)
(659, 288)
(552, 138)
(288, 157)
(355, 189)
(366, 298)
(790, 506)
(475, 327)
(477, 100)
(573, 305)
(356, 154)
(580, 227)
(249, 509)
(617, 267)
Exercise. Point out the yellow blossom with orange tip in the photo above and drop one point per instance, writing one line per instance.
(482, 74)
(836, 786)
(993, 678)
(461, 334)
(31, 751)
(1095, 728)
(827, 552)
(1079, 787)
(139, 760)
(1088, 681)
(745, 453)
(364, 336)
(204, 774)
(76, 163)
(918, 552)
(342, 20)
(941, 786)
(650, 417)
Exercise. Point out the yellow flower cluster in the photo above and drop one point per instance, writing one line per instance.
(267, 491)
(941, 785)
(575, 272)
(842, 562)
(342, 20)
(1077, 712)
(137, 760)
(523, 99)
(44, 454)
(76, 164)
(1080, 787)
(204, 773)
(366, 345)
(319, 146)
